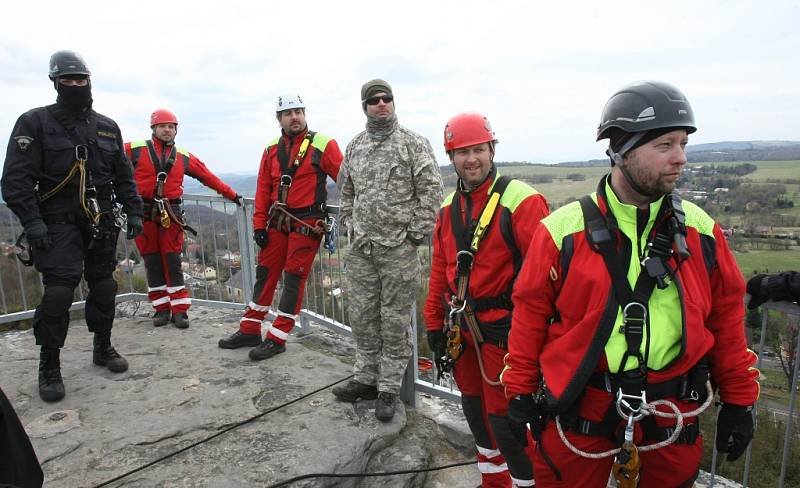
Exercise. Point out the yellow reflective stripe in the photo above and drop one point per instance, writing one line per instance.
(565, 221)
(135, 144)
(448, 200)
(183, 151)
(516, 192)
(321, 141)
(483, 222)
(698, 218)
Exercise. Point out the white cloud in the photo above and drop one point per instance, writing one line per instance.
(540, 72)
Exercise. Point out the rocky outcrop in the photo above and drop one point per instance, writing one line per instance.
(181, 389)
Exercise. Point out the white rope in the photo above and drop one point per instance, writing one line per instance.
(648, 409)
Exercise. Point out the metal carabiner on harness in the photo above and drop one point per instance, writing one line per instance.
(634, 411)
(627, 465)
(464, 261)
(629, 319)
(81, 152)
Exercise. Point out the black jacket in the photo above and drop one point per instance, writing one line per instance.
(41, 153)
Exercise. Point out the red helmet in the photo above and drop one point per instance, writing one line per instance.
(467, 129)
(163, 116)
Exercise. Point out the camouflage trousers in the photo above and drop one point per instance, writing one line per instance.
(382, 284)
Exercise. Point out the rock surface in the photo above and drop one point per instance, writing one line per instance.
(270, 421)
(182, 389)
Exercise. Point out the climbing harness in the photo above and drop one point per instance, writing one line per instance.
(162, 210)
(645, 408)
(87, 193)
(286, 219)
(630, 385)
(461, 310)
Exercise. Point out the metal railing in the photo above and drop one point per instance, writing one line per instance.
(219, 268)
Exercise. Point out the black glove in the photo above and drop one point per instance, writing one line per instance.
(734, 430)
(261, 238)
(780, 287)
(36, 233)
(437, 341)
(238, 200)
(522, 410)
(757, 289)
(135, 226)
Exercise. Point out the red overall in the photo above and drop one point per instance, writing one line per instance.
(559, 305)
(161, 247)
(501, 460)
(290, 251)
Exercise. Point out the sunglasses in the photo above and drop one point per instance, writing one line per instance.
(375, 100)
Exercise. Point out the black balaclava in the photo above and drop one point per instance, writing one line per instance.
(74, 98)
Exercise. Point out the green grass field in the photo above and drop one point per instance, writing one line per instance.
(765, 261)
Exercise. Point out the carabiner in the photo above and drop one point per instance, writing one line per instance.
(635, 413)
(81, 152)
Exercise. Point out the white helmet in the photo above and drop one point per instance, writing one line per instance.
(288, 102)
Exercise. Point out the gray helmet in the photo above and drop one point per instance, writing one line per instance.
(646, 105)
(63, 63)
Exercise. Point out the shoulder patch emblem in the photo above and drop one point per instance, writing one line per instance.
(105, 133)
(24, 142)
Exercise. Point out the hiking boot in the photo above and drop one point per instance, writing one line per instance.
(51, 386)
(104, 353)
(266, 350)
(384, 407)
(239, 339)
(353, 391)
(160, 318)
(180, 320)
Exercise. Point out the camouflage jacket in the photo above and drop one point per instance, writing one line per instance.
(390, 188)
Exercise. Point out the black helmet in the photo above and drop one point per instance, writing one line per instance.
(646, 105)
(64, 63)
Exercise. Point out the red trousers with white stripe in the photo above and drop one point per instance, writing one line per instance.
(497, 470)
(161, 250)
(291, 255)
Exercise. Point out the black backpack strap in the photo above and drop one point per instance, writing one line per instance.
(61, 116)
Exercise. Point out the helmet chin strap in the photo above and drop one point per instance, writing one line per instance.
(617, 160)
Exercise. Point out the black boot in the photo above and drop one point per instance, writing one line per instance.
(180, 320)
(161, 318)
(51, 386)
(105, 355)
(266, 350)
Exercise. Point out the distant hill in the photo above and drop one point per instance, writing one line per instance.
(723, 151)
(245, 184)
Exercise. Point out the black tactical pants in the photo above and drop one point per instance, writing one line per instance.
(74, 253)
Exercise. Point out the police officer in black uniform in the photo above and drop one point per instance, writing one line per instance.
(65, 168)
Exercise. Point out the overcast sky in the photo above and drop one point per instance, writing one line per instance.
(541, 71)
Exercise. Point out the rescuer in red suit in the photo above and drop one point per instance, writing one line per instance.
(159, 168)
(289, 221)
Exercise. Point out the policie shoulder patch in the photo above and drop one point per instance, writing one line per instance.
(108, 134)
(24, 142)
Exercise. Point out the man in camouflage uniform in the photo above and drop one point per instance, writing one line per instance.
(390, 191)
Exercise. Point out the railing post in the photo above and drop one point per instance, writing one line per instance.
(787, 439)
(248, 259)
(408, 388)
